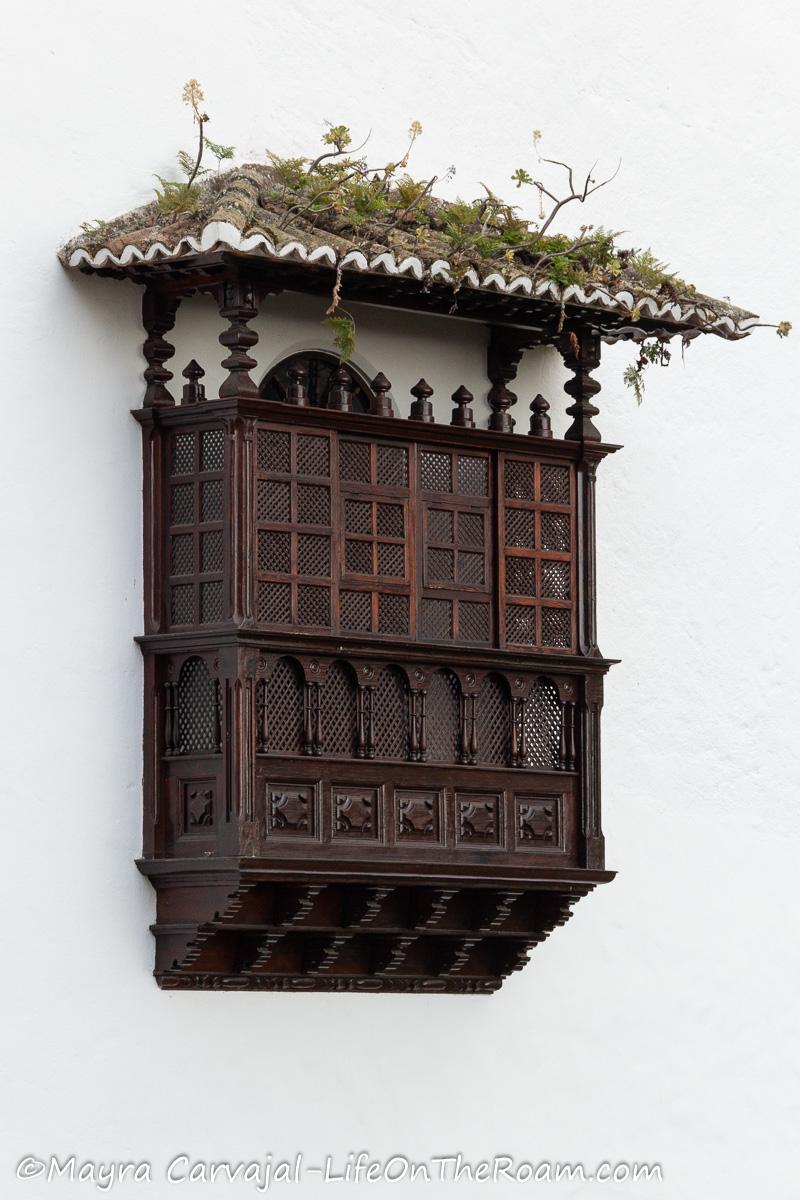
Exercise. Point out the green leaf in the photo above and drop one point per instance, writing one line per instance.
(174, 196)
(185, 162)
(220, 152)
(344, 334)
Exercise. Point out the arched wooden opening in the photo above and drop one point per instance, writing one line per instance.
(319, 366)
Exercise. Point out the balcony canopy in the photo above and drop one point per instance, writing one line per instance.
(238, 218)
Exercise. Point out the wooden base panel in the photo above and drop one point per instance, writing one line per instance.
(242, 934)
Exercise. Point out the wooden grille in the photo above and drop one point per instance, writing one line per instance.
(284, 715)
(390, 714)
(338, 701)
(542, 726)
(197, 717)
(294, 530)
(537, 564)
(494, 723)
(443, 717)
(398, 540)
(195, 539)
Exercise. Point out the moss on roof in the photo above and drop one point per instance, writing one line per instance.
(253, 201)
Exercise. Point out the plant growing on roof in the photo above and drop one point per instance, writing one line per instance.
(183, 195)
(358, 204)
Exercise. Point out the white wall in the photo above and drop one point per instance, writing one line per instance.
(660, 1025)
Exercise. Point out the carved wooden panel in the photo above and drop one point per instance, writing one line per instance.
(419, 814)
(539, 821)
(198, 814)
(356, 811)
(291, 809)
(479, 818)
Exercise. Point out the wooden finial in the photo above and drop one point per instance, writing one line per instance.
(540, 422)
(422, 409)
(297, 393)
(193, 392)
(462, 413)
(340, 396)
(381, 405)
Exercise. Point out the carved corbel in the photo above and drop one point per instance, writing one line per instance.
(506, 347)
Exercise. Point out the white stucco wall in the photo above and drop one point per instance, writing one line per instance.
(661, 1024)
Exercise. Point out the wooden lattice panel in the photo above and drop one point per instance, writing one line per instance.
(537, 563)
(195, 506)
(293, 507)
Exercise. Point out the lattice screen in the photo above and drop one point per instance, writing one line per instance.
(342, 522)
(494, 722)
(457, 566)
(284, 700)
(294, 526)
(197, 699)
(338, 703)
(536, 554)
(443, 717)
(391, 715)
(195, 511)
(542, 726)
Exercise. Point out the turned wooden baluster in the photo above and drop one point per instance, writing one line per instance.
(170, 719)
(421, 409)
(261, 706)
(297, 393)
(158, 317)
(418, 739)
(361, 723)
(517, 731)
(567, 748)
(312, 720)
(340, 396)
(580, 348)
(381, 405)
(217, 717)
(540, 421)
(369, 719)
(468, 753)
(238, 307)
(462, 413)
(193, 391)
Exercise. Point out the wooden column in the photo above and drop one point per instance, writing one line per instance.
(579, 346)
(158, 317)
(238, 306)
(594, 842)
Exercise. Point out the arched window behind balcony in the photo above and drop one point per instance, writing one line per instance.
(320, 366)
